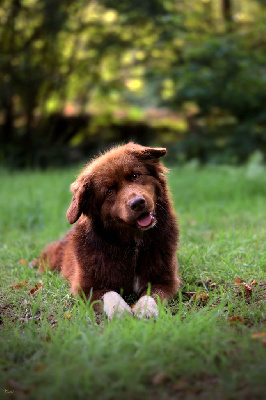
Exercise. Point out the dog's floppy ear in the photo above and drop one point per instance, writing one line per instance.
(150, 155)
(147, 152)
(78, 203)
(154, 152)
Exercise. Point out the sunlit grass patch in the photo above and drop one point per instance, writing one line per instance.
(207, 343)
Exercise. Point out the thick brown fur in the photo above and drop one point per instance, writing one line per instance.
(107, 250)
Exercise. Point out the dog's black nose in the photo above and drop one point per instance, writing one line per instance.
(137, 204)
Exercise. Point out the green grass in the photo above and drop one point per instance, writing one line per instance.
(53, 346)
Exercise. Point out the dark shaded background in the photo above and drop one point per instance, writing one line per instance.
(77, 76)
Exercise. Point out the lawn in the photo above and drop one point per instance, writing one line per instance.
(208, 343)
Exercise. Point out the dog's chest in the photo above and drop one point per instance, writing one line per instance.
(122, 271)
(137, 287)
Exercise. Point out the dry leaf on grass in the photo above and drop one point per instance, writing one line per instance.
(200, 297)
(24, 262)
(235, 319)
(258, 335)
(254, 283)
(19, 285)
(36, 288)
(247, 287)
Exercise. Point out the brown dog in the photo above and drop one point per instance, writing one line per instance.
(126, 234)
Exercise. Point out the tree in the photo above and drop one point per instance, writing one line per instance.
(197, 58)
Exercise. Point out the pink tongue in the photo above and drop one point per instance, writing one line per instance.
(145, 220)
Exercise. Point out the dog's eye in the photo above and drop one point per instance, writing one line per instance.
(136, 176)
(109, 192)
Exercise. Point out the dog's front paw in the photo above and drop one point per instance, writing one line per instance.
(146, 307)
(113, 304)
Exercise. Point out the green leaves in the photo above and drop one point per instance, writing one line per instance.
(111, 56)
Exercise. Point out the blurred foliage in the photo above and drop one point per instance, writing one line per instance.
(76, 76)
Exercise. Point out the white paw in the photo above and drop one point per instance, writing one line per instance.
(146, 307)
(113, 304)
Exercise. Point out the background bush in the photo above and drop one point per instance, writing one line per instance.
(77, 76)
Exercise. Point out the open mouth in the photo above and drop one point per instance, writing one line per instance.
(146, 221)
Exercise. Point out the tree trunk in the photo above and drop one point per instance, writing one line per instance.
(29, 125)
(8, 126)
(227, 10)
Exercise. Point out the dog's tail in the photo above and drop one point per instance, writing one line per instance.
(50, 259)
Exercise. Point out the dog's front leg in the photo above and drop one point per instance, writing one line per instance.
(146, 306)
(112, 303)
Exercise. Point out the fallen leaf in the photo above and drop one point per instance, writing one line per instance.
(159, 378)
(258, 335)
(19, 285)
(67, 316)
(247, 288)
(36, 288)
(236, 319)
(200, 297)
(24, 262)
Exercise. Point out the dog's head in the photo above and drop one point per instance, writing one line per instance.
(120, 188)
